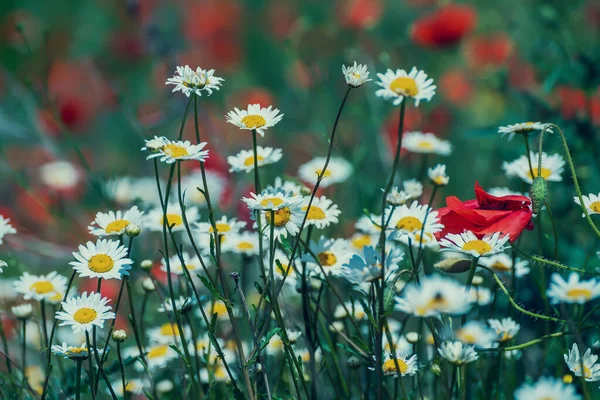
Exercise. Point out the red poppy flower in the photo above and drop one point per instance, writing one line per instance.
(360, 14)
(489, 51)
(486, 214)
(445, 27)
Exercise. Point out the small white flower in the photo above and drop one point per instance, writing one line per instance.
(255, 118)
(22, 311)
(425, 143)
(105, 259)
(338, 170)
(552, 167)
(246, 243)
(5, 228)
(506, 329)
(283, 221)
(188, 81)
(192, 264)
(591, 203)
(468, 243)
(438, 176)
(3, 264)
(60, 175)
(368, 267)
(547, 388)
(591, 370)
(84, 312)
(477, 334)
(359, 241)
(399, 84)
(522, 128)
(331, 255)
(356, 75)
(322, 213)
(168, 333)
(225, 226)
(397, 197)
(244, 160)
(50, 287)
(407, 222)
(72, 352)
(155, 217)
(480, 295)
(457, 353)
(413, 188)
(408, 366)
(502, 263)
(272, 200)
(572, 290)
(158, 356)
(173, 151)
(369, 224)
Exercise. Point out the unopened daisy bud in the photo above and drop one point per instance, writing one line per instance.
(132, 230)
(412, 337)
(538, 193)
(454, 265)
(3, 265)
(146, 264)
(477, 280)
(164, 386)
(353, 362)
(436, 369)
(148, 285)
(336, 326)
(305, 191)
(396, 197)
(568, 378)
(22, 311)
(438, 176)
(119, 335)
(356, 75)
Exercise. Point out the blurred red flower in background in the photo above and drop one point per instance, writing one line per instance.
(360, 14)
(456, 87)
(445, 26)
(489, 51)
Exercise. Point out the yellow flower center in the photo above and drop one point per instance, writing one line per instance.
(277, 344)
(281, 217)
(501, 267)
(250, 160)
(438, 302)
(174, 220)
(77, 350)
(315, 212)
(410, 224)
(361, 241)
(325, 174)
(439, 180)
(116, 226)
(245, 246)
(404, 86)
(271, 202)
(101, 263)
(479, 246)
(220, 373)
(56, 297)
(466, 337)
(425, 145)
(169, 330)
(568, 378)
(219, 308)
(254, 121)
(42, 287)
(545, 173)
(85, 315)
(221, 227)
(390, 366)
(158, 351)
(595, 206)
(505, 337)
(327, 258)
(579, 293)
(175, 150)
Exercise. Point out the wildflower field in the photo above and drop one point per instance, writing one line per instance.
(300, 199)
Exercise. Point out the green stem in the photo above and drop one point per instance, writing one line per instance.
(256, 175)
(121, 367)
(23, 355)
(78, 379)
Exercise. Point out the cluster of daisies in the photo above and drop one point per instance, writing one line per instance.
(401, 248)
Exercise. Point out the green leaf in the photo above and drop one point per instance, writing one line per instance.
(213, 290)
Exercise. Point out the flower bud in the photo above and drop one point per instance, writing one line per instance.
(477, 280)
(119, 336)
(412, 337)
(146, 265)
(454, 265)
(353, 362)
(148, 285)
(132, 230)
(538, 193)
(435, 368)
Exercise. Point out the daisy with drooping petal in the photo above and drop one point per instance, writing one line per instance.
(179, 150)
(338, 170)
(591, 370)
(408, 366)
(5, 228)
(457, 353)
(468, 243)
(331, 254)
(476, 334)
(435, 295)
(155, 218)
(84, 312)
(225, 226)
(437, 175)
(243, 243)
(114, 223)
(400, 84)
(244, 160)
(106, 259)
(406, 222)
(188, 81)
(572, 290)
(425, 143)
(552, 167)
(368, 268)
(255, 118)
(591, 203)
(50, 287)
(322, 212)
(547, 388)
(502, 263)
(522, 128)
(356, 75)
(506, 329)
(60, 175)
(192, 264)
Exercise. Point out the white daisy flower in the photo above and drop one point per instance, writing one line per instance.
(468, 243)
(157, 356)
(50, 287)
(359, 241)
(400, 84)
(425, 143)
(192, 264)
(60, 175)
(356, 75)
(338, 170)
(397, 197)
(546, 388)
(504, 191)
(406, 222)
(284, 261)
(401, 344)
(225, 226)
(368, 268)
(132, 386)
(480, 295)
(552, 167)
(283, 221)
(408, 366)
(243, 243)
(155, 217)
(3, 264)
(182, 304)
(369, 224)
(591, 203)
(354, 308)
(522, 128)
(255, 118)
(244, 160)
(114, 223)
(437, 175)
(168, 333)
(322, 212)
(476, 334)
(305, 355)
(72, 352)
(502, 263)
(84, 312)
(179, 150)
(106, 259)
(572, 290)
(506, 329)
(435, 295)
(276, 199)
(5, 228)
(331, 254)
(188, 81)
(457, 353)
(413, 188)
(591, 370)
(22, 311)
